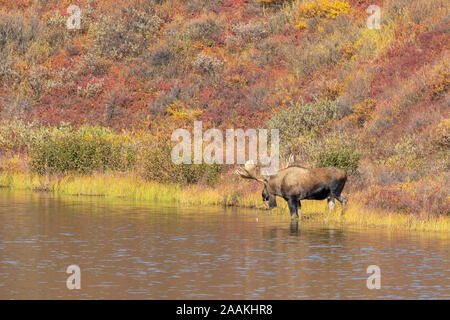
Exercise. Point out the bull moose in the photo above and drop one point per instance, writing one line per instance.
(296, 183)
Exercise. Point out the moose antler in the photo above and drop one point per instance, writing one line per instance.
(287, 161)
(249, 171)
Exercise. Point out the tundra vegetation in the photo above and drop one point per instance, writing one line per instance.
(91, 110)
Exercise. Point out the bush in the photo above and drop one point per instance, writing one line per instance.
(64, 150)
(55, 34)
(128, 36)
(204, 30)
(331, 90)
(161, 56)
(346, 159)
(115, 102)
(440, 136)
(92, 89)
(338, 152)
(195, 173)
(252, 31)
(95, 64)
(158, 166)
(356, 89)
(439, 80)
(362, 112)
(17, 136)
(207, 65)
(427, 196)
(160, 104)
(161, 62)
(193, 7)
(15, 32)
(7, 72)
(15, 105)
(316, 55)
(325, 9)
(302, 119)
(406, 155)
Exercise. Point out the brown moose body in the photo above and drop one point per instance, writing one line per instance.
(295, 183)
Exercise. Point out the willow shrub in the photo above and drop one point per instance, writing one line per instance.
(302, 119)
(337, 152)
(158, 166)
(83, 150)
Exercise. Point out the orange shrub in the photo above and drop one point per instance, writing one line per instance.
(362, 111)
(439, 81)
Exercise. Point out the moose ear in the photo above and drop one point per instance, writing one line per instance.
(272, 202)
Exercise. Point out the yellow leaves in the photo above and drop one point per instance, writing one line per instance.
(324, 9)
(88, 136)
(362, 111)
(22, 66)
(372, 41)
(236, 80)
(406, 155)
(331, 90)
(301, 25)
(441, 135)
(439, 80)
(349, 49)
(178, 111)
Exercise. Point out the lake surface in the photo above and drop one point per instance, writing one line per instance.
(136, 250)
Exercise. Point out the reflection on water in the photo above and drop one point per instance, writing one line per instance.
(129, 250)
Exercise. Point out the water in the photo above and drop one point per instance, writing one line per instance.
(129, 250)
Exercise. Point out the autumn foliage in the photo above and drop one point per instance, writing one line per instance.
(136, 70)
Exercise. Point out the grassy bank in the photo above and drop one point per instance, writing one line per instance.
(132, 187)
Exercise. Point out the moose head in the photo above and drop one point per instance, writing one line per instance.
(251, 171)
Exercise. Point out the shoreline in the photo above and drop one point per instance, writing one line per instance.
(131, 187)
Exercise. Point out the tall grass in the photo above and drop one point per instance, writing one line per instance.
(132, 187)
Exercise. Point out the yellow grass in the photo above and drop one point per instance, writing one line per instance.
(129, 186)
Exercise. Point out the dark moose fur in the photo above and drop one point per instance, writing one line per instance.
(295, 183)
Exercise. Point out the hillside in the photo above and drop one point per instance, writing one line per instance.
(338, 90)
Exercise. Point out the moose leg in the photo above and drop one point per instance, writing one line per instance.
(299, 209)
(292, 204)
(331, 204)
(294, 227)
(343, 201)
(272, 202)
